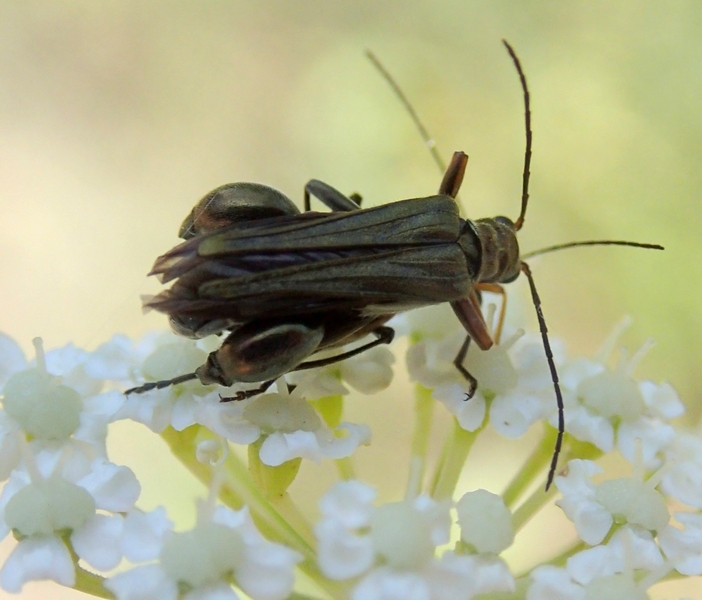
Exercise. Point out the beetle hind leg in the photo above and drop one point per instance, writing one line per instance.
(260, 351)
(330, 197)
(384, 335)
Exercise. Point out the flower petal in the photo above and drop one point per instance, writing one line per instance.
(36, 559)
(143, 583)
(97, 542)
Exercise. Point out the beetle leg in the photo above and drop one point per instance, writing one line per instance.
(458, 362)
(453, 177)
(330, 197)
(357, 198)
(235, 203)
(384, 335)
(471, 317)
(244, 394)
(496, 288)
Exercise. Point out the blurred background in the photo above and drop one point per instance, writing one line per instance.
(116, 117)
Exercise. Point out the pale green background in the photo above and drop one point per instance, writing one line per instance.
(115, 117)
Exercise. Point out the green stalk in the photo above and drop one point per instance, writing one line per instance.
(92, 584)
(424, 412)
(561, 559)
(531, 506)
(456, 451)
(532, 467)
(345, 468)
(238, 489)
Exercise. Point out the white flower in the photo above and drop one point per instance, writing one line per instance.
(44, 506)
(512, 408)
(293, 429)
(603, 572)
(223, 544)
(157, 357)
(47, 404)
(486, 523)
(392, 547)
(553, 583)
(37, 559)
(435, 321)
(368, 372)
(594, 508)
(682, 477)
(603, 406)
(684, 547)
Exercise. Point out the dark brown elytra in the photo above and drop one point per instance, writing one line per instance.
(284, 285)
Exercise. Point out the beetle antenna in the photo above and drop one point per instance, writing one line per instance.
(592, 243)
(428, 140)
(527, 153)
(554, 374)
(158, 385)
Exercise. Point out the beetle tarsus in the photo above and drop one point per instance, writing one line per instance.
(246, 394)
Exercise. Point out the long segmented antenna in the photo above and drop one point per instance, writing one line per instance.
(428, 140)
(554, 374)
(527, 153)
(527, 272)
(159, 385)
(591, 243)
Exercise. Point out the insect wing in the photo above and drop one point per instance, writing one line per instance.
(432, 220)
(377, 260)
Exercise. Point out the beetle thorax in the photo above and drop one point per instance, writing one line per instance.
(499, 261)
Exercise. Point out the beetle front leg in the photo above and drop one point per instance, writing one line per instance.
(458, 363)
(330, 197)
(471, 317)
(496, 288)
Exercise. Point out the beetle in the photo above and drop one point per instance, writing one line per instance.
(284, 285)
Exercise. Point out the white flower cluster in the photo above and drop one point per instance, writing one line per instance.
(71, 509)
(390, 550)
(64, 500)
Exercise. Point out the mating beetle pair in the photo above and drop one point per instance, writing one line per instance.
(286, 285)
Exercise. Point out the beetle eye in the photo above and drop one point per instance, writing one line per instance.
(505, 221)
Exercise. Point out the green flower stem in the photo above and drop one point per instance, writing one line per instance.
(540, 458)
(562, 558)
(455, 453)
(238, 490)
(272, 482)
(288, 509)
(533, 504)
(532, 467)
(424, 412)
(330, 408)
(86, 582)
(345, 468)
